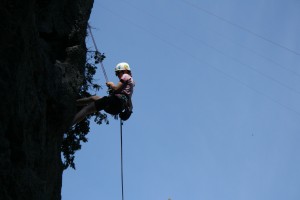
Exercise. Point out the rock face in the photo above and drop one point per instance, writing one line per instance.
(42, 57)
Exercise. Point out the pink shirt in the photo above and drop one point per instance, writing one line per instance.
(128, 85)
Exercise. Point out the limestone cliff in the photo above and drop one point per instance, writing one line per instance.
(42, 56)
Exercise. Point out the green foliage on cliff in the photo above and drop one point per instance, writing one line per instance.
(77, 134)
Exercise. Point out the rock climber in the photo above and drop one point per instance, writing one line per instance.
(117, 102)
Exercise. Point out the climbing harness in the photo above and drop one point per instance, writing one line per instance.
(98, 59)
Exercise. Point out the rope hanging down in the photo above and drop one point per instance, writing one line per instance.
(99, 57)
(121, 138)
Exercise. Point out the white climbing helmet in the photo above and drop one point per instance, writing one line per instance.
(122, 66)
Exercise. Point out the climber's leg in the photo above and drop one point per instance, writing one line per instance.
(87, 100)
(90, 108)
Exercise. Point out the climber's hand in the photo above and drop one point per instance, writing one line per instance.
(110, 84)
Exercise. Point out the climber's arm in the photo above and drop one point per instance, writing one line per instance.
(114, 87)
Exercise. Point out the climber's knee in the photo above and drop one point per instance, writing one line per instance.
(95, 98)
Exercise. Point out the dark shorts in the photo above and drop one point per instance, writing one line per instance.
(110, 104)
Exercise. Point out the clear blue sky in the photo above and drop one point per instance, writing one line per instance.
(216, 103)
